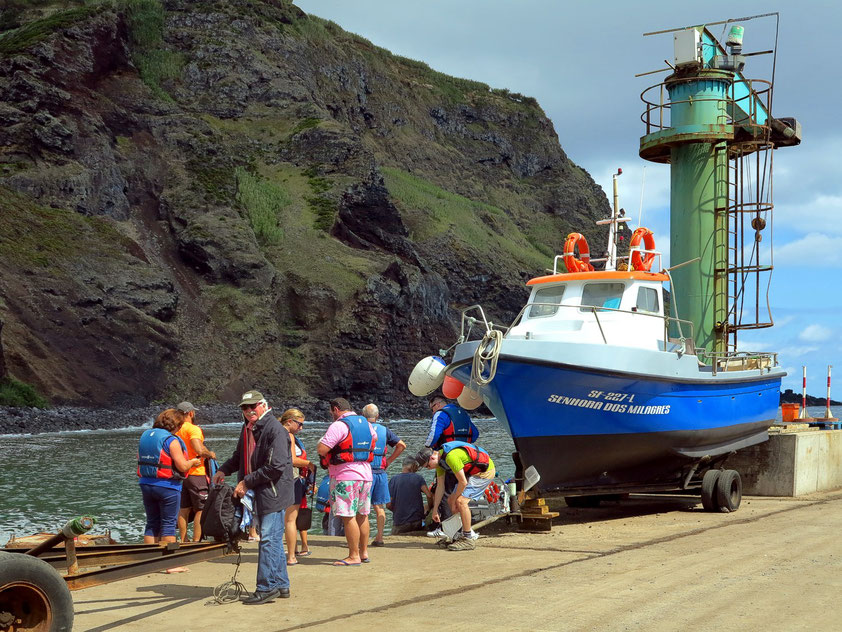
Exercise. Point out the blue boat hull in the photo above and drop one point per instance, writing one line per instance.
(600, 429)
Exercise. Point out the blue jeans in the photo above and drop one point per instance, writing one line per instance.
(161, 504)
(271, 560)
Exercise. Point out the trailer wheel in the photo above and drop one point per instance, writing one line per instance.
(33, 596)
(709, 489)
(729, 491)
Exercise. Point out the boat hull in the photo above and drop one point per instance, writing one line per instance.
(596, 428)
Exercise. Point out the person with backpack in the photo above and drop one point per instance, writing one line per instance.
(263, 462)
(161, 466)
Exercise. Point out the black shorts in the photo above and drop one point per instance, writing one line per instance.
(194, 492)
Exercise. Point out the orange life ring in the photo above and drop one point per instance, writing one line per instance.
(642, 261)
(583, 264)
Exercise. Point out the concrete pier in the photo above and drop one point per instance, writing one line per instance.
(643, 564)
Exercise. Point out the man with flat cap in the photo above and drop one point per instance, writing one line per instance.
(263, 464)
(194, 489)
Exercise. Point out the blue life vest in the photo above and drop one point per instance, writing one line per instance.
(357, 445)
(479, 457)
(380, 448)
(459, 428)
(153, 455)
(323, 495)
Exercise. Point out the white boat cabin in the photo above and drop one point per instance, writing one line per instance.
(614, 307)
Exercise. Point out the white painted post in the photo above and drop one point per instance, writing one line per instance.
(827, 412)
(803, 413)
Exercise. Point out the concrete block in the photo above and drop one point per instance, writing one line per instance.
(791, 464)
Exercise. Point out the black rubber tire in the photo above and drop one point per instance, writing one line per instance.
(709, 490)
(582, 502)
(33, 591)
(729, 491)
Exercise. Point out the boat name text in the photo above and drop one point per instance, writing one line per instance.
(609, 403)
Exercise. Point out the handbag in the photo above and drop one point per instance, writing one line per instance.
(304, 519)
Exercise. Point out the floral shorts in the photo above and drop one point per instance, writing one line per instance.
(349, 498)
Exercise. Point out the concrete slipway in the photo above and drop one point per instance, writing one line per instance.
(647, 563)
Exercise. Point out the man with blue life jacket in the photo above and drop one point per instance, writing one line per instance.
(380, 480)
(474, 471)
(263, 462)
(347, 450)
(450, 423)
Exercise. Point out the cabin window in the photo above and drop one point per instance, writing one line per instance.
(602, 295)
(647, 300)
(549, 297)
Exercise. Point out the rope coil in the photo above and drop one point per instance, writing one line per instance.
(485, 357)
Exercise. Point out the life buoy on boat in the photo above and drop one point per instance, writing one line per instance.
(642, 261)
(574, 264)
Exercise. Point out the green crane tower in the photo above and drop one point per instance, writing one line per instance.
(702, 120)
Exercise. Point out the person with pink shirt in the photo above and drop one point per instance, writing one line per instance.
(347, 449)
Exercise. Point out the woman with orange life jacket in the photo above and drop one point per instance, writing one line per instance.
(293, 420)
(161, 465)
(347, 448)
(474, 471)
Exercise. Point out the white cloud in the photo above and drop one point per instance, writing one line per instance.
(815, 333)
(810, 249)
(796, 351)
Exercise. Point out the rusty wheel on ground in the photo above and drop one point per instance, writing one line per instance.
(33, 596)
(709, 490)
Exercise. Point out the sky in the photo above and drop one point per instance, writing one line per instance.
(579, 60)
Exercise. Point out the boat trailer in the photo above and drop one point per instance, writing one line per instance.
(35, 583)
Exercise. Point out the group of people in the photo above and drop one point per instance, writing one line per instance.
(356, 450)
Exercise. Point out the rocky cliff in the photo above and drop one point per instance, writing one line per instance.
(198, 197)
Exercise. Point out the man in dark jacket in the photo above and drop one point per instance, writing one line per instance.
(263, 464)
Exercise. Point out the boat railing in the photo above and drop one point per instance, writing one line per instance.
(685, 342)
(739, 360)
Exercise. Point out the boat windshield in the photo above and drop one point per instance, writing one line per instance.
(647, 300)
(549, 297)
(602, 295)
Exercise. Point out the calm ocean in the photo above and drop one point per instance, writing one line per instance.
(46, 479)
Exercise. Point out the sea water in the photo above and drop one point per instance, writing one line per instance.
(47, 479)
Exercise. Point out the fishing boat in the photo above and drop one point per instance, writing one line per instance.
(608, 382)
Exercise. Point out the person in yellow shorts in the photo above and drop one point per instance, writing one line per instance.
(474, 471)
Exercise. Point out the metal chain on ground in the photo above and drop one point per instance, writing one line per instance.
(488, 350)
(230, 591)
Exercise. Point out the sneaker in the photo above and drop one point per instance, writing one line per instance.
(461, 535)
(436, 533)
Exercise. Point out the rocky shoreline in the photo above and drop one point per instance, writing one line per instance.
(67, 418)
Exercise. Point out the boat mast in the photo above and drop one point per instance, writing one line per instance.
(617, 217)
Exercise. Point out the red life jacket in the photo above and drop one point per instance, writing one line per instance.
(479, 457)
(358, 444)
